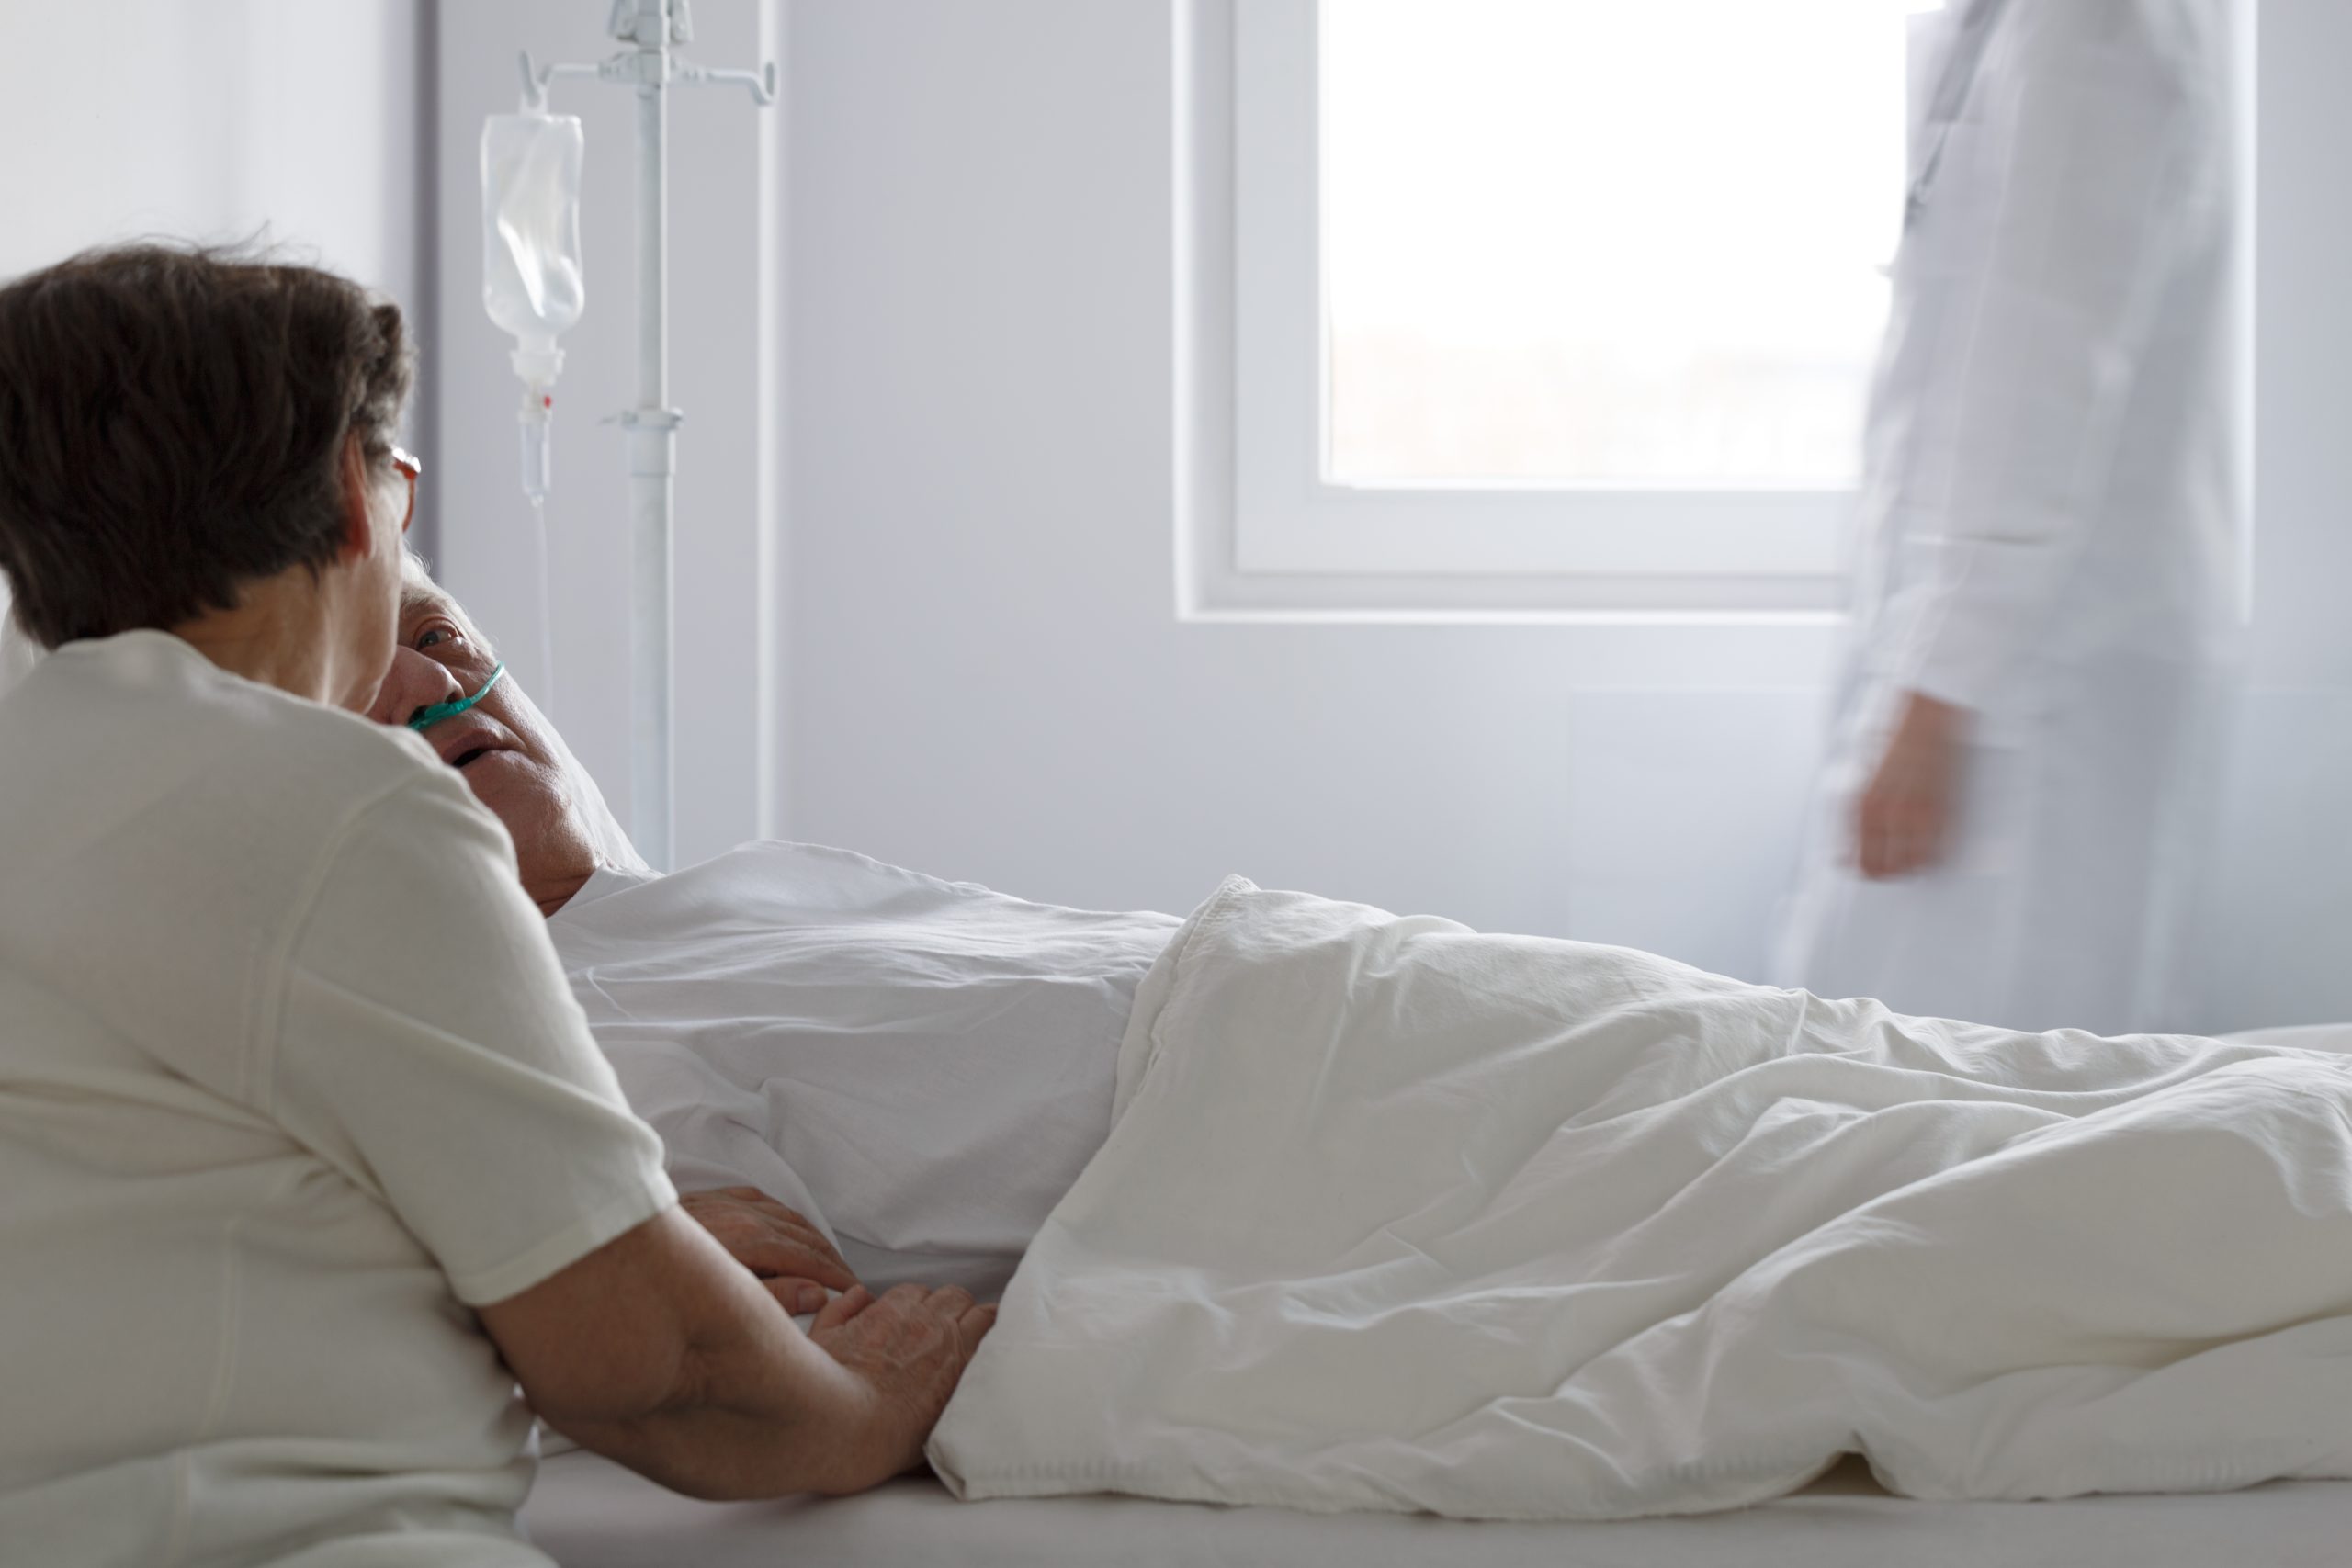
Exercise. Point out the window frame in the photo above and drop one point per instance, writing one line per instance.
(1264, 530)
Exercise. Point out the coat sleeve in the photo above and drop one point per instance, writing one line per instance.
(2097, 156)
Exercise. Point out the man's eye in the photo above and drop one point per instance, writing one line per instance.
(432, 636)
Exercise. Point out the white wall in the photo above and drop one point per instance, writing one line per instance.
(2281, 910)
(287, 121)
(215, 122)
(988, 679)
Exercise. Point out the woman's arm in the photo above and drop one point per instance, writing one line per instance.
(662, 1352)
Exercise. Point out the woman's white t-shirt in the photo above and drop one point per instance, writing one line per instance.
(289, 1082)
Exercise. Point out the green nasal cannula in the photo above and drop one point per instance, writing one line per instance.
(425, 717)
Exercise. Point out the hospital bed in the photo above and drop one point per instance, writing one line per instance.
(590, 1512)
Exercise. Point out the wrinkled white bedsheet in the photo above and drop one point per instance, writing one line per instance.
(1397, 1216)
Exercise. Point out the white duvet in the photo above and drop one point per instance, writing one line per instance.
(1395, 1216)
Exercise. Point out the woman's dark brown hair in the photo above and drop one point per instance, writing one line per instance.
(171, 427)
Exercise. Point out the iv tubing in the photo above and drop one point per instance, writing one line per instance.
(546, 681)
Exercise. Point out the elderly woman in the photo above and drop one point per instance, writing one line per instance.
(307, 1157)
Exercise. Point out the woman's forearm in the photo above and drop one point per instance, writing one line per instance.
(661, 1352)
(759, 1413)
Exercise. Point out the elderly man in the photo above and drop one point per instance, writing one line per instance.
(1368, 1168)
(917, 1068)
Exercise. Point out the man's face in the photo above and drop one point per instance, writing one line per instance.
(502, 745)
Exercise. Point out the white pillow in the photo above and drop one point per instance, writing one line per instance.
(929, 1064)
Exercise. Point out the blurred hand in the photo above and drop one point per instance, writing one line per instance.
(1902, 820)
(779, 1245)
(909, 1347)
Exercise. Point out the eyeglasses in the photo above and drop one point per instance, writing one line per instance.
(411, 470)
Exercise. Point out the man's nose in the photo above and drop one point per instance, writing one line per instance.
(413, 682)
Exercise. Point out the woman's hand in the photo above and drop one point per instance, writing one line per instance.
(779, 1245)
(1903, 817)
(909, 1347)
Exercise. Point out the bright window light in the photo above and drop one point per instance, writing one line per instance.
(1606, 242)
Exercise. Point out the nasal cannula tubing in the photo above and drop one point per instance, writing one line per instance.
(426, 718)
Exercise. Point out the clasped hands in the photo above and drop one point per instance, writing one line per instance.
(913, 1344)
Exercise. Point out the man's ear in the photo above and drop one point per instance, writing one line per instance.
(358, 540)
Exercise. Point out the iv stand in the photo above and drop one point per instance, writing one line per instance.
(650, 29)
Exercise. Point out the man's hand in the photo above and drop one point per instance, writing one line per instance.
(1903, 817)
(909, 1347)
(779, 1245)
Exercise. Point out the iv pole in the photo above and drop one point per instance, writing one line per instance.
(650, 29)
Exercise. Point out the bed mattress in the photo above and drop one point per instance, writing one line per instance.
(590, 1512)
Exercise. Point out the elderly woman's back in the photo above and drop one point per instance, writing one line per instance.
(245, 1123)
(274, 1021)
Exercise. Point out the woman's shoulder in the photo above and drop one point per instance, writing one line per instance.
(141, 732)
(165, 830)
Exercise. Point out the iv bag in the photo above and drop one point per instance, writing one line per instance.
(532, 287)
(531, 282)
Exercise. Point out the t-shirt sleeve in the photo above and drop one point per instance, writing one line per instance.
(427, 1045)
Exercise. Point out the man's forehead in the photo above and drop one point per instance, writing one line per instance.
(424, 599)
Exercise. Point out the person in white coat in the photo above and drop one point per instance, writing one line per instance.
(2013, 798)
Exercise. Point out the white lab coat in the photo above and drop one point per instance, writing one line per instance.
(2048, 534)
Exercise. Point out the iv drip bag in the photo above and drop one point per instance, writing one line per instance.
(532, 287)
(531, 280)
(531, 234)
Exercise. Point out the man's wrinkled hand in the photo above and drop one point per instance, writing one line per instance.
(781, 1247)
(908, 1347)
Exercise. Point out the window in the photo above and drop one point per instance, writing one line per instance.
(1605, 243)
(1548, 304)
